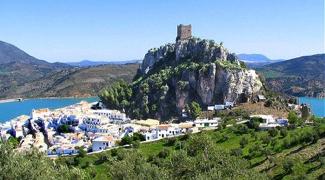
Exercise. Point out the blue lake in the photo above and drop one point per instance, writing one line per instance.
(317, 105)
(11, 110)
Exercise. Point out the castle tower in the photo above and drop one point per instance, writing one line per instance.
(184, 32)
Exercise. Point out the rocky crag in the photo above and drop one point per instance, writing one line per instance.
(191, 70)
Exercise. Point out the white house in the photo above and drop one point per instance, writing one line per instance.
(102, 142)
(210, 108)
(202, 123)
(268, 121)
(219, 107)
(151, 135)
(97, 124)
(163, 131)
(229, 104)
(112, 115)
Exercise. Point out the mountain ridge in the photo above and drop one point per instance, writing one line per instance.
(301, 76)
(257, 60)
(22, 75)
(87, 63)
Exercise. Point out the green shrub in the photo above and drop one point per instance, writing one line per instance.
(164, 153)
(283, 132)
(243, 142)
(236, 152)
(273, 132)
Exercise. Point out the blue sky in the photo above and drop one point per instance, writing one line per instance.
(72, 30)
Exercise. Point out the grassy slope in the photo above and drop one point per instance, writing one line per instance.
(261, 163)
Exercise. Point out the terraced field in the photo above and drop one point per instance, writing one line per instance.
(296, 154)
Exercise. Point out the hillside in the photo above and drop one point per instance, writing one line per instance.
(237, 152)
(22, 75)
(302, 76)
(187, 72)
(74, 81)
(18, 68)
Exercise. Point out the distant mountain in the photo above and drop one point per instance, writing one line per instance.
(77, 82)
(256, 60)
(302, 76)
(17, 67)
(87, 63)
(22, 75)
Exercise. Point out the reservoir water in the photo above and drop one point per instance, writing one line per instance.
(10, 110)
(317, 105)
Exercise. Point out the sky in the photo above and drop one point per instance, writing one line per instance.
(74, 30)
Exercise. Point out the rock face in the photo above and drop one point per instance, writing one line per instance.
(195, 70)
(194, 48)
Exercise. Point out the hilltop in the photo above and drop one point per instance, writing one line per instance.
(301, 76)
(176, 75)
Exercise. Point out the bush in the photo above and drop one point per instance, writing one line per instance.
(287, 166)
(178, 145)
(265, 139)
(126, 140)
(194, 109)
(273, 132)
(292, 117)
(223, 138)
(243, 142)
(64, 129)
(283, 132)
(82, 153)
(170, 141)
(236, 152)
(164, 153)
(255, 151)
(241, 129)
(138, 137)
(135, 144)
(114, 152)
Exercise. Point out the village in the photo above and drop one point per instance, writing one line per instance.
(64, 131)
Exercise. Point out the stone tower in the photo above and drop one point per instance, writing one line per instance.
(184, 32)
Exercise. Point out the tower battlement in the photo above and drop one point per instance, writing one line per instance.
(184, 32)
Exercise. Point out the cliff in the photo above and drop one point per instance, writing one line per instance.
(190, 70)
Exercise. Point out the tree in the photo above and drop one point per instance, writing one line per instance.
(305, 112)
(287, 165)
(13, 141)
(283, 132)
(195, 110)
(117, 96)
(273, 132)
(64, 128)
(138, 137)
(243, 142)
(33, 165)
(82, 153)
(292, 117)
(265, 139)
(135, 144)
(126, 140)
(164, 153)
